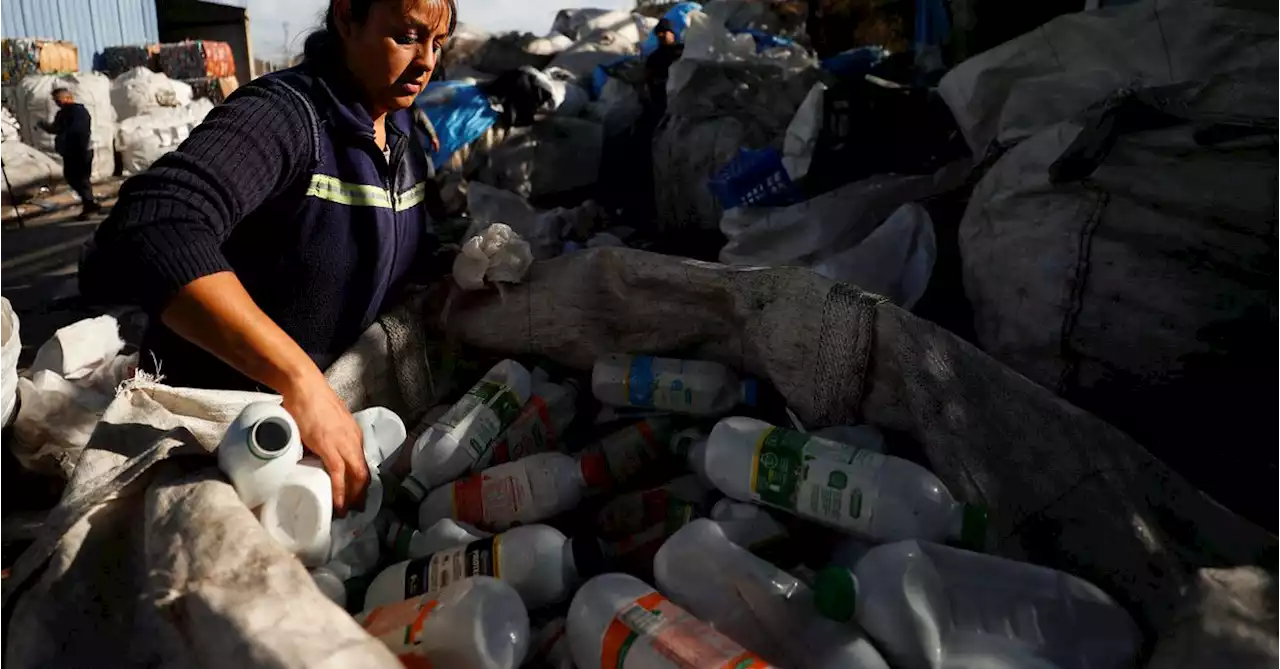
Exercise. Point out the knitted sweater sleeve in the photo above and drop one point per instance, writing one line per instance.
(167, 228)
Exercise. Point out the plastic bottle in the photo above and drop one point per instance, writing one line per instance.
(618, 621)
(299, 515)
(621, 456)
(931, 606)
(635, 512)
(405, 542)
(748, 525)
(476, 623)
(754, 603)
(259, 450)
(849, 489)
(455, 442)
(515, 493)
(684, 386)
(541, 421)
(538, 561)
(341, 576)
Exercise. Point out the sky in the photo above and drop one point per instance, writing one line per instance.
(267, 18)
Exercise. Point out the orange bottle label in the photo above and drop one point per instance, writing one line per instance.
(655, 628)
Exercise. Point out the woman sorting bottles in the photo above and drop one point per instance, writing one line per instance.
(277, 232)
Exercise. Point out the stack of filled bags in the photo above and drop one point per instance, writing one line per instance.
(156, 113)
(24, 56)
(116, 60)
(25, 168)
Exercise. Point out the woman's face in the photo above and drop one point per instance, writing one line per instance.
(393, 51)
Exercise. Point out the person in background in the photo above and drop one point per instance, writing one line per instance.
(657, 65)
(291, 217)
(71, 127)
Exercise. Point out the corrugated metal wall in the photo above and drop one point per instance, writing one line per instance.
(91, 24)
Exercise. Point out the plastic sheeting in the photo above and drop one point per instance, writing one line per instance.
(460, 113)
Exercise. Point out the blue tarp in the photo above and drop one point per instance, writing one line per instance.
(679, 18)
(459, 119)
(855, 62)
(764, 40)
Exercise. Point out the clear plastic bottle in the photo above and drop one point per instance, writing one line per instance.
(526, 491)
(754, 603)
(460, 438)
(537, 560)
(841, 486)
(748, 525)
(339, 576)
(931, 606)
(541, 421)
(406, 542)
(475, 623)
(621, 456)
(684, 386)
(618, 621)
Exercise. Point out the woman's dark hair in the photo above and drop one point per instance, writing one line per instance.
(323, 43)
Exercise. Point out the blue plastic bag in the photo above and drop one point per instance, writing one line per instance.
(764, 40)
(600, 75)
(460, 118)
(679, 18)
(855, 62)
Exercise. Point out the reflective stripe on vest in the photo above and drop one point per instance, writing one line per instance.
(333, 189)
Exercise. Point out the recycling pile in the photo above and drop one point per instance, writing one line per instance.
(529, 524)
(24, 56)
(195, 59)
(116, 60)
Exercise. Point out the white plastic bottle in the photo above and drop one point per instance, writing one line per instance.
(537, 560)
(617, 621)
(405, 542)
(476, 623)
(622, 455)
(455, 442)
(748, 525)
(337, 577)
(259, 450)
(931, 606)
(526, 491)
(849, 489)
(541, 421)
(754, 603)
(299, 516)
(685, 386)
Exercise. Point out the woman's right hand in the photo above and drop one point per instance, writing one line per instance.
(328, 430)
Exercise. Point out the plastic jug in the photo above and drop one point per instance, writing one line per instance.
(841, 486)
(406, 542)
(541, 421)
(475, 623)
(526, 491)
(460, 438)
(621, 456)
(931, 606)
(538, 561)
(683, 386)
(761, 607)
(259, 450)
(618, 621)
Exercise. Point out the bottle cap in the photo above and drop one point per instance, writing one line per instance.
(682, 442)
(973, 527)
(835, 593)
(588, 556)
(749, 389)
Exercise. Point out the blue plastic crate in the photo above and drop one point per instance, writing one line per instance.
(754, 178)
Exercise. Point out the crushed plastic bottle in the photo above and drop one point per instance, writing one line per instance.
(460, 438)
(515, 493)
(618, 621)
(684, 386)
(841, 486)
(540, 423)
(537, 560)
(754, 603)
(341, 577)
(475, 623)
(930, 606)
(622, 455)
(405, 542)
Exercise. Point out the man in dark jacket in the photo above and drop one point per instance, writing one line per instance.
(72, 126)
(657, 65)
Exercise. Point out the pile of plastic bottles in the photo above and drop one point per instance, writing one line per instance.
(526, 524)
